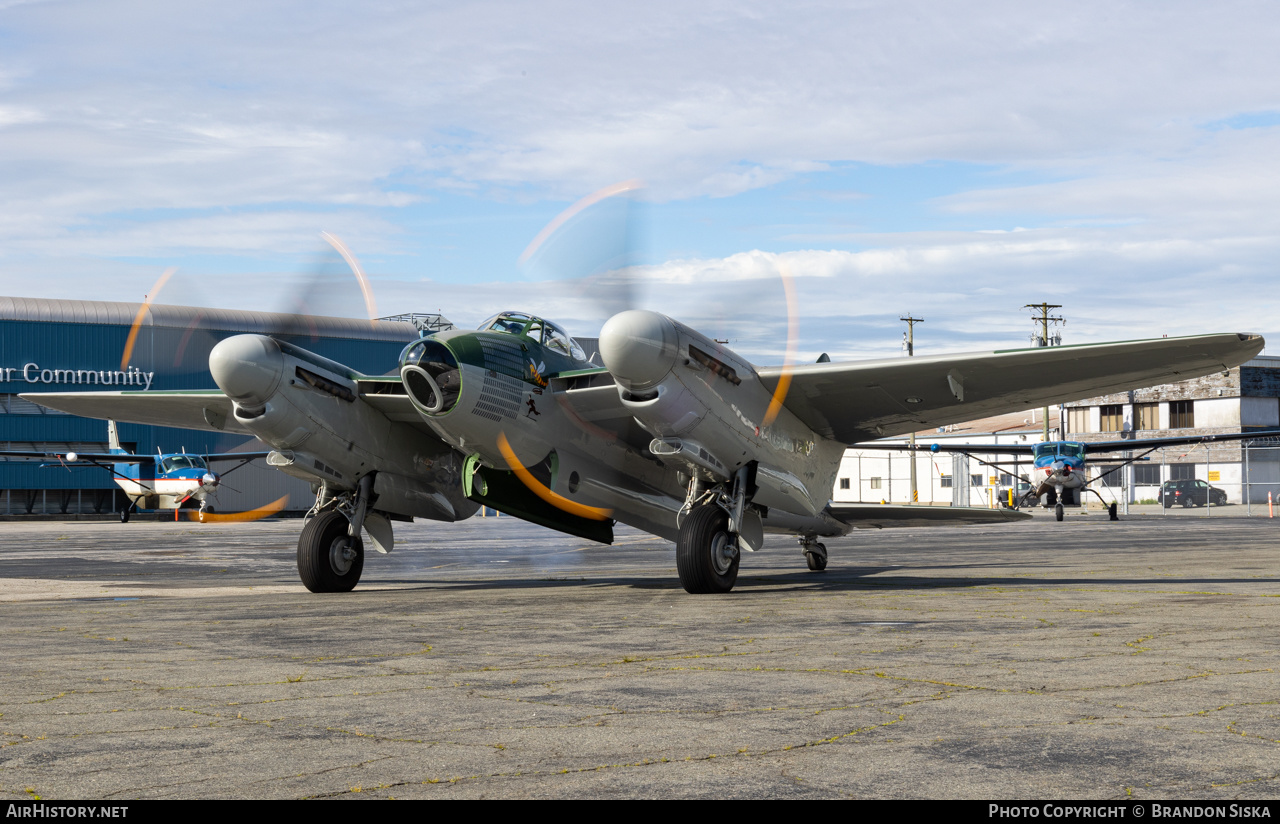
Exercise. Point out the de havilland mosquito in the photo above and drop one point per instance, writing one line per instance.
(675, 434)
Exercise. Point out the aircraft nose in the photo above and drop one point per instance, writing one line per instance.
(638, 347)
(247, 368)
(210, 479)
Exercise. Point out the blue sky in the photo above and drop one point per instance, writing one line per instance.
(954, 162)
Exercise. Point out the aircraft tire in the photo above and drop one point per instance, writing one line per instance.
(321, 562)
(1111, 513)
(124, 515)
(817, 560)
(1057, 512)
(703, 551)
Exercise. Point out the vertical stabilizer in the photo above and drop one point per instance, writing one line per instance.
(113, 437)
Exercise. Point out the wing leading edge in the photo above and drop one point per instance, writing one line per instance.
(861, 401)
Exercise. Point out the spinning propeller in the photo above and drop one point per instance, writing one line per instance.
(334, 284)
(590, 254)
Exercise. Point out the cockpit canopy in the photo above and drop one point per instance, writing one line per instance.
(543, 331)
(172, 463)
(1065, 449)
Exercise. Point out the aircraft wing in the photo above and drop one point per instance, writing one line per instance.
(990, 448)
(1091, 447)
(206, 409)
(1154, 443)
(88, 457)
(861, 401)
(880, 516)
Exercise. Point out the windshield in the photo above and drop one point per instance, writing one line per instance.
(1067, 449)
(543, 331)
(513, 322)
(175, 462)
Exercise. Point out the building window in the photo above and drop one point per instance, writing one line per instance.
(875, 483)
(1146, 474)
(1006, 479)
(1078, 419)
(1111, 479)
(1111, 416)
(1182, 472)
(975, 480)
(1147, 415)
(946, 481)
(1182, 415)
(844, 483)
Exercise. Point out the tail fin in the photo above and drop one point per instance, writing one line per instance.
(113, 437)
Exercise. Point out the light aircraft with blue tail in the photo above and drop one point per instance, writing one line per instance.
(174, 480)
(1059, 468)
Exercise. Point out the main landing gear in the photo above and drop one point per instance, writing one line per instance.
(715, 525)
(330, 549)
(706, 552)
(329, 560)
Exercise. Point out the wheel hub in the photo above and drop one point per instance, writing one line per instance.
(341, 555)
(723, 551)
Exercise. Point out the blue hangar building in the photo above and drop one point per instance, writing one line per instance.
(79, 346)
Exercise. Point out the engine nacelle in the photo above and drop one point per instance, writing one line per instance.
(707, 408)
(308, 408)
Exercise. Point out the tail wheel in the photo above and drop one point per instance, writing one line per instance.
(329, 560)
(706, 552)
(1057, 512)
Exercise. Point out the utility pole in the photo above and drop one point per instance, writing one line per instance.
(909, 343)
(1045, 319)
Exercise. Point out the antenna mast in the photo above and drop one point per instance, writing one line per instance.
(1044, 340)
(909, 343)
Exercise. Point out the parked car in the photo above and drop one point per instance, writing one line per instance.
(1190, 492)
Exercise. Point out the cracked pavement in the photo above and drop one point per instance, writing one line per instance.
(495, 659)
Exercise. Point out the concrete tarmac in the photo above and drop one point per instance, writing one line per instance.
(1083, 659)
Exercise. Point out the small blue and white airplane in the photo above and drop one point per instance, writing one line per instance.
(1058, 476)
(165, 481)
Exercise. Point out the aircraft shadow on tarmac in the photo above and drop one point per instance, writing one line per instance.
(850, 579)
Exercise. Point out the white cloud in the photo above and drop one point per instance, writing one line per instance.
(148, 129)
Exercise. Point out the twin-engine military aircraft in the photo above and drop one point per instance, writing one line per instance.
(1059, 476)
(675, 434)
(174, 481)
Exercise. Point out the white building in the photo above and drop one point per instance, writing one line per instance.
(1232, 401)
